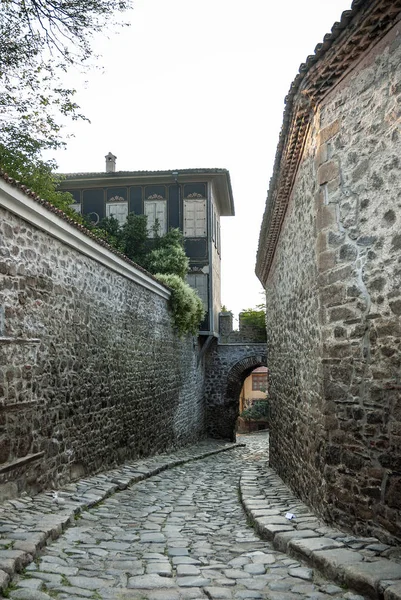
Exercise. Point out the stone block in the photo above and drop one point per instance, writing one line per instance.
(268, 531)
(282, 539)
(321, 155)
(326, 217)
(305, 547)
(333, 562)
(332, 295)
(327, 172)
(321, 244)
(342, 313)
(393, 592)
(366, 577)
(326, 261)
(329, 131)
(4, 580)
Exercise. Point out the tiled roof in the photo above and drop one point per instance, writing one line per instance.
(147, 173)
(358, 29)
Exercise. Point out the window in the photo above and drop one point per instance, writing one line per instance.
(259, 381)
(198, 281)
(117, 207)
(156, 209)
(195, 216)
(77, 207)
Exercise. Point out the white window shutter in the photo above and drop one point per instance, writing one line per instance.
(195, 217)
(156, 209)
(118, 210)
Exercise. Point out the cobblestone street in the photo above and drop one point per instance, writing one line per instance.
(181, 534)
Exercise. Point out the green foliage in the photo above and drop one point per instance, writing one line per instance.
(39, 41)
(38, 175)
(109, 230)
(185, 304)
(255, 318)
(134, 239)
(259, 410)
(168, 255)
(169, 260)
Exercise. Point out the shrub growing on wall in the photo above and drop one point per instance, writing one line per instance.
(185, 304)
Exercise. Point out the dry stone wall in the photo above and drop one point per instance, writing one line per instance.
(91, 371)
(334, 306)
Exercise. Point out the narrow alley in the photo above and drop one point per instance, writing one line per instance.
(181, 534)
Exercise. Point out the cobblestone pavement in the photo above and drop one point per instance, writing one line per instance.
(181, 534)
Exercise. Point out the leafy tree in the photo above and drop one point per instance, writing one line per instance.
(169, 256)
(109, 229)
(39, 41)
(39, 176)
(255, 318)
(134, 239)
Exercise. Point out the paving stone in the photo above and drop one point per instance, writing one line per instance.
(150, 582)
(393, 592)
(235, 574)
(302, 573)
(218, 593)
(179, 535)
(330, 589)
(32, 584)
(27, 594)
(163, 568)
(152, 538)
(183, 570)
(74, 591)
(192, 581)
(4, 580)
(89, 583)
(255, 569)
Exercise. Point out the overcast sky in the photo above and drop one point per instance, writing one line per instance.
(200, 83)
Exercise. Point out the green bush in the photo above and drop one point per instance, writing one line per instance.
(260, 410)
(170, 259)
(185, 304)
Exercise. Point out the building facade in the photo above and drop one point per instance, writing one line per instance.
(329, 259)
(192, 200)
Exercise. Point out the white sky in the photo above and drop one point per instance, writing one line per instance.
(200, 83)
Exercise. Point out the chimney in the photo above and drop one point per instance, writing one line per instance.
(110, 163)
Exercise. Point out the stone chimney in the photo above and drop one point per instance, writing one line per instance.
(110, 163)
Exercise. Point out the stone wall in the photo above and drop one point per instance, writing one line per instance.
(294, 342)
(334, 306)
(91, 372)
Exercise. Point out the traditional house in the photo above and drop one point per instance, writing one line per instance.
(329, 259)
(191, 199)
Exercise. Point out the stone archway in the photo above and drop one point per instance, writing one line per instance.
(228, 367)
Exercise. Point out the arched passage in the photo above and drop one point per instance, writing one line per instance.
(235, 378)
(227, 370)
